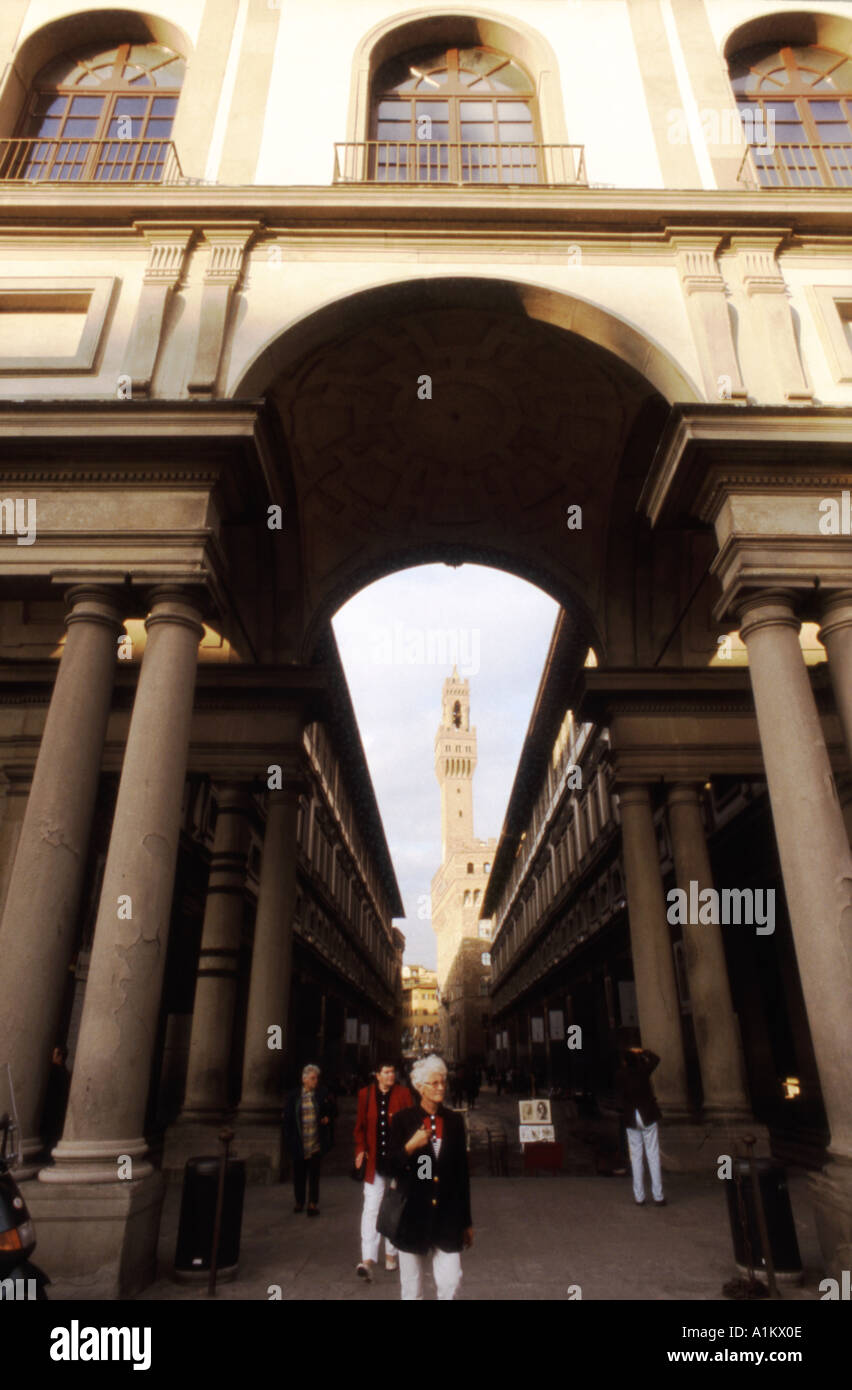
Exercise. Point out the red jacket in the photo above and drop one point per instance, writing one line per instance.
(368, 1118)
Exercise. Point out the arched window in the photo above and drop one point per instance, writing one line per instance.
(454, 115)
(102, 115)
(796, 107)
(470, 868)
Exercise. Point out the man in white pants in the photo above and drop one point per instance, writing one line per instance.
(640, 1113)
(376, 1105)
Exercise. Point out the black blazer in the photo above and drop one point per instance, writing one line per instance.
(437, 1208)
(633, 1080)
(292, 1120)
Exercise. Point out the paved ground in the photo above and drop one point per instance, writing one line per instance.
(534, 1236)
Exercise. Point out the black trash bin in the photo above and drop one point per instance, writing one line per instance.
(198, 1214)
(780, 1226)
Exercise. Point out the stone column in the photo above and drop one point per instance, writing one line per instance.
(206, 1095)
(725, 1097)
(650, 942)
(259, 1115)
(104, 1127)
(836, 636)
(40, 915)
(817, 867)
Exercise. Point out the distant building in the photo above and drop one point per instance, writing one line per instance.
(420, 1025)
(458, 887)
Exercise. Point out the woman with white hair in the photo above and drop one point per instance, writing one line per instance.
(308, 1119)
(428, 1157)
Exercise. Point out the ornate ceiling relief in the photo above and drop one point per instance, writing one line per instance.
(522, 422)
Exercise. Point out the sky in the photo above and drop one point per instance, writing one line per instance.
(398, 639)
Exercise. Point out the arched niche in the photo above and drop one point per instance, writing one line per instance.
(795, 27)
(468, 28)
(77, 30)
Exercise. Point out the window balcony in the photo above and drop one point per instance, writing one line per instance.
(797, 166)
(459, 164)
(72, 160)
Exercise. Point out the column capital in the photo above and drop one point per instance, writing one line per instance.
(634, 794)
(836, 613)
(95, 603)
(175, 605)
(769, 608)
(683, 793)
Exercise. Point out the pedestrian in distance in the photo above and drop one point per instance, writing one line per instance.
(456, 1083)
(428, 1157)
(641, 1115)
(471, 1085)
(308, 1121)
(377, 1105)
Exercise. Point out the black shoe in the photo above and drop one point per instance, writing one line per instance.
(298, 1208)
(363, 1272)
(640, 1204)
(661, 1203)
(313, 1211)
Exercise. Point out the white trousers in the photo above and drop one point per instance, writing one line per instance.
(645, 1137)
(446, 1270)
(370, 1238)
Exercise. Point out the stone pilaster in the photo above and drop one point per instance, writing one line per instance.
(766, 289)
(650, 942)
(43, 899)
(167, 252)
(726, 1102)
(817, 865)
(104, 1128)
(705, 293)
(224, 270)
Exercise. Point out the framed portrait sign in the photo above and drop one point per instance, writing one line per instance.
(538, 1134)
(534, 1112)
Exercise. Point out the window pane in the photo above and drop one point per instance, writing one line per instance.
(86, 106)
(472, 131)
(475, 110)
(164, 106)
(514, 131)
(394, 110)
(80, 128)
(513, 111)
(438, 110)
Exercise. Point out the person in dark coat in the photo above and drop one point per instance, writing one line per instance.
(641, 1114)
(428, 1157)
(56, 1099)
(308, 1122)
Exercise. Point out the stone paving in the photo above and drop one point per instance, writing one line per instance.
(534, 1236)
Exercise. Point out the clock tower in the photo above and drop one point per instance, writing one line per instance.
(458, 887)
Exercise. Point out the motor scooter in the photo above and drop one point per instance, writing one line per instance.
(19, 1278)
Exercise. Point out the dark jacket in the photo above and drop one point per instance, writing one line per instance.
(437, 1209)
(633, 1081)
(292, 1120)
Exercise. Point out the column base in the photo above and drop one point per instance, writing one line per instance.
(260, 1146)
(695, 1147)
(191, 1137)
(97, 1240)
(831, 1192)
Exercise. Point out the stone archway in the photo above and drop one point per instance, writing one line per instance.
(452, 419)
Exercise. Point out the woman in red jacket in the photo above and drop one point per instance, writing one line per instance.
(377, 1103)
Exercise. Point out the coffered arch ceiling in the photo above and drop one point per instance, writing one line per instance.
(524, 421)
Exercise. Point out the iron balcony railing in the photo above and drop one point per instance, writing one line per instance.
(88, 161)
(797, 166)
(445, 162)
